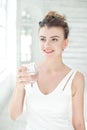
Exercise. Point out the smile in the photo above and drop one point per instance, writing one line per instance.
(48, 51)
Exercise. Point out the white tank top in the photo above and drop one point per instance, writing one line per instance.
(52, 111)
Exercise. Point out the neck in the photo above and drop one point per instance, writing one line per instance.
(53, 64)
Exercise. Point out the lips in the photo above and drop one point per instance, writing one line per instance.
(48, 51)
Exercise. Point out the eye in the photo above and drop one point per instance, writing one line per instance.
(42, 39)
(54, 39)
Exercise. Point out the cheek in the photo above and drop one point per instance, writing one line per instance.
(62, 44)
(59, 46)
(41, 45)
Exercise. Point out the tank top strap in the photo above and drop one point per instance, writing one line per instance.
(69, 79)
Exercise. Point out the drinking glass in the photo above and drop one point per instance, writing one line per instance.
(32, 69)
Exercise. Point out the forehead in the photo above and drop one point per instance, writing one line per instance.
(51, 31)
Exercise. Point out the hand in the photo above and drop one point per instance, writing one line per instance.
(24, 77)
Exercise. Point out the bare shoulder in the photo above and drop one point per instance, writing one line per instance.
(78, 82)
(79, 77)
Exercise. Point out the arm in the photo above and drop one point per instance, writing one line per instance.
(78, 102)
(16, 103)
(17, 99)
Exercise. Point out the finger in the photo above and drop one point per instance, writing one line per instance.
(23, 82)
(22, 69)
(23, 74)
(24, 79)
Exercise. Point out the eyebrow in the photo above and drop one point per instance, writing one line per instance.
(55, 36)
(51, 36)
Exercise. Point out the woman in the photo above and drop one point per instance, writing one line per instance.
(55, 100)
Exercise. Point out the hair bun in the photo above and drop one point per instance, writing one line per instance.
(54, 14)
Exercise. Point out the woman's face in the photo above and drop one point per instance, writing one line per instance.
(52, 41)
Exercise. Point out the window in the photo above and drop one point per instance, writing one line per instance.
(7, 35)
(3, 21)
(26, 40)
(26, 37)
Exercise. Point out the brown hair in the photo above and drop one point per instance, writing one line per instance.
(53, 19)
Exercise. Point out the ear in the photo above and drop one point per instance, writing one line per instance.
(65, 43)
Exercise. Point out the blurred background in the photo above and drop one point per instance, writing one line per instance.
(19, 44)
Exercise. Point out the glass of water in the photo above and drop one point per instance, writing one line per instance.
(32, 69)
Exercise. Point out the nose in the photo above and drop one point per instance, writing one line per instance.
(47, 44)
